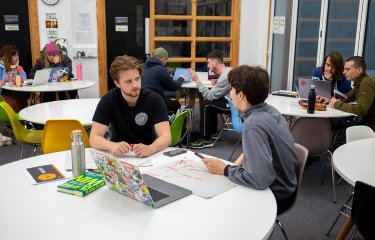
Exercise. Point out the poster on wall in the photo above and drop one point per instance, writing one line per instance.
(52, 25)
(279, 24)
(121, 24)
(11, 23)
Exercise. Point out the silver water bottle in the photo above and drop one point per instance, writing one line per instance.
(78, 153)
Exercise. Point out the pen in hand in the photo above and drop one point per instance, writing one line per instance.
(199, 155)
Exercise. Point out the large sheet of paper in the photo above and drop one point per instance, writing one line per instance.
(193, 175)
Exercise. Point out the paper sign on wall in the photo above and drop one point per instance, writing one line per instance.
(11, 23)
(52, 26)
(121, 24)
(279, 24)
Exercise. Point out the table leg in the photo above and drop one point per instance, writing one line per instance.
(67, 95)
(57, 96)
(345, 229)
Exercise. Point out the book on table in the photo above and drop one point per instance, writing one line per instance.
(42, 174)
(83, 184)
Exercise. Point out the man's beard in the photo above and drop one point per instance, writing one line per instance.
(132, 93)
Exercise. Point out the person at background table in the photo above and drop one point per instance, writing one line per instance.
(361, 100)
(135, 115)
(332, 70)
(53, 57)
(214, 96)
(268, 158)
(9, 61)
(156, 78)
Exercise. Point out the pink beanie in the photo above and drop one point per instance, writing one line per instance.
(52, 48)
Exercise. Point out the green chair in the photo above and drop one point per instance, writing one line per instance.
(23, 135)
(177, 127)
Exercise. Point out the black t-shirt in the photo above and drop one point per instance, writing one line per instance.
(131, 124)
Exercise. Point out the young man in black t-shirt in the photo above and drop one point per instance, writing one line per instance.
(137, 117)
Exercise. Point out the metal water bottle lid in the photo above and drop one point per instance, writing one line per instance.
(312, 87)
(76, 135)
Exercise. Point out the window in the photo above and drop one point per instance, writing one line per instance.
(189, 30)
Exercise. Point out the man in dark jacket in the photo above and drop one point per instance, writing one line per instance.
(156, 78)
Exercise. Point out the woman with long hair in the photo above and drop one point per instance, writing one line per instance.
(9, 66)
(332, 70)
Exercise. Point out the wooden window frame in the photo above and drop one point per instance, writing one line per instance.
(193, 39)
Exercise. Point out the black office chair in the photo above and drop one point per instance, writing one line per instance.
(301, 153)
(363, 210)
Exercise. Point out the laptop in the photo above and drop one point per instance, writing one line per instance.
(182, 71)
(59, 74)
(322, 88)
(126, 178)
(41, 77)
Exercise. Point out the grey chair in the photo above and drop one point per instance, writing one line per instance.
(302, 154)
(315, 135)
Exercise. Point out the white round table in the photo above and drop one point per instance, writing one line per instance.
(52, 87)
(40, 212)
(289, 106)
(355, 161)
(81, 109)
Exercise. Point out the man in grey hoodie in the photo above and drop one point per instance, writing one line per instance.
(268, 158)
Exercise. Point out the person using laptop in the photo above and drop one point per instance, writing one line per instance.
(156, 78)
(9, 67)
(361, 100)
(332, 70)
(52, 57)
(137, 117)
(268, 158)
(214, 96)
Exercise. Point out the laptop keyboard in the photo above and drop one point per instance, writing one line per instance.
(156, 195)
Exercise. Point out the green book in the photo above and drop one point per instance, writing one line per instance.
(83, 184)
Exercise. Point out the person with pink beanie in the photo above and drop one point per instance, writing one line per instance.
(51, 56)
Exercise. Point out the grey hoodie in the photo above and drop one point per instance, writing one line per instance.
(268, 149)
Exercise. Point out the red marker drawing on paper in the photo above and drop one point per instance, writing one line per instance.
(132, 146)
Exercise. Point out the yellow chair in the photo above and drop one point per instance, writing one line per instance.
(56, 135)
(23, 135)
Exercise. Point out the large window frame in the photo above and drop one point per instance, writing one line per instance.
(233, 39)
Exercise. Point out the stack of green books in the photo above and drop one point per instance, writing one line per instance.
(83, 184)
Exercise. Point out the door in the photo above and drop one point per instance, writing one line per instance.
(125, 24)
(369, 39)
(20, 38)
(280, 46)
(306, 39)
(341, 27)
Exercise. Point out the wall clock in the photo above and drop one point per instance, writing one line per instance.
(50, 2)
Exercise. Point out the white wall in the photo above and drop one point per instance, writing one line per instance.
(67, 16)
(254, 32)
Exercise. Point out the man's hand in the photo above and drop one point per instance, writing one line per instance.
(323, 99)
(214, 165)
(332, 102)
(142, 150)
(194, 75)
(213, 82)
(2, 83)
(119, 148)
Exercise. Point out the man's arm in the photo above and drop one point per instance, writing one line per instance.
(366, 97)
(98, 141)
(163, 140)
